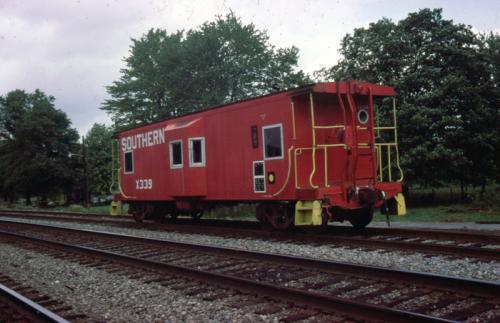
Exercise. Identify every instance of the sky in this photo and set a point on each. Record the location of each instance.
(73, 49)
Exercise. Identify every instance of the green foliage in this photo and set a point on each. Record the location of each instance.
(219, 62)
(76, 208)
(36, 144)
(98, 154)
(450, 213)
(145, 90)
(448, 93)
(490, 198)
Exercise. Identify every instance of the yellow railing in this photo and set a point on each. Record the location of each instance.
(314, 147)
(115, 167)
(388, 147)
(299, 151)
(115, 186)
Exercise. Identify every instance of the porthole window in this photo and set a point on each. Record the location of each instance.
(363, 116)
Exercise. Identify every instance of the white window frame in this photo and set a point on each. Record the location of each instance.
(203, 155)
(124, 161)
(171, 154)
(280, 125)
(263, 176)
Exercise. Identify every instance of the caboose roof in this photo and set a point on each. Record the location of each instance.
(356, 87)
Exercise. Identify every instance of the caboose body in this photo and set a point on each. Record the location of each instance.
(305, 156)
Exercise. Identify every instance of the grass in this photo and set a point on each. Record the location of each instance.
(104, 209)
(448, 213)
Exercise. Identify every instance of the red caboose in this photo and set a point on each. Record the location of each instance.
(305, 156)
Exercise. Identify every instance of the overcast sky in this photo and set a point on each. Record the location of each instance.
(73, 49)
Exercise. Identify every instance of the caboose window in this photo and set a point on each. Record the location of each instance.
(176, 154)
(129, 162)
(196, 152)
(273, 141)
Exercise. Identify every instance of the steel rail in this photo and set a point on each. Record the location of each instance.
(481, 287)
(434, 248)
(463, 251)
(62, 213)
(369, 231)
(328, 304)
(420, 233)
(29, 309)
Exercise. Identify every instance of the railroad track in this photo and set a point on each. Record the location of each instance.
(460, 244)
(367, 293)
(25, 304)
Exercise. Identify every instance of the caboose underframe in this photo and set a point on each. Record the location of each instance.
(305, 156)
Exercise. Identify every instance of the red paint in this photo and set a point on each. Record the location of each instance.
(230, 153)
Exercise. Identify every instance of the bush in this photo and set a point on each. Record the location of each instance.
(76, 208)
(490, 199)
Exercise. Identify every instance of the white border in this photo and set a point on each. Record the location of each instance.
(280, 125)
(172, 166)
(367, 115)
(263, 176)
(203, 158)
(124, 171)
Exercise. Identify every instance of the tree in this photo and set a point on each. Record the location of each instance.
(145, 90)
(98, 154)
(219, 62)
(446, 96)
(35, 154)
(12, 107)
(227, 60)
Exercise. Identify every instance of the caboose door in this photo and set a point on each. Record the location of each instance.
(196, 175)
(188, 176)
(319, 155)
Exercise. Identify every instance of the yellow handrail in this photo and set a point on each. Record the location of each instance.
(379, 158)
(396, 139)
(115, 171)
(313, 125)
(298, 151)
(115, 175)
(330, 127)
(287, 174)
(389, 163)
(379, 147)
(331, 145)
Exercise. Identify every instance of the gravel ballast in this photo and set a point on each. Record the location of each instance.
(464, 267)
(113, 297)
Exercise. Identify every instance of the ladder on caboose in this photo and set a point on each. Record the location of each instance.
(115, 186)
(358, 149)
(391, 145)
(115, 167)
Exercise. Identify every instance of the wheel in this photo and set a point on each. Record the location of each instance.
(360, 218)
(325, 217)
(260, 212)
(276, 216)
(159, 213)
(196, 215)
(171, 211)
(140, 211)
